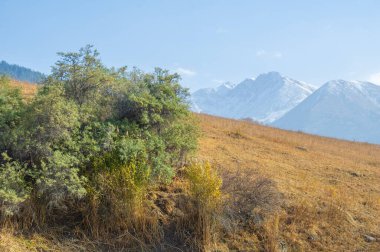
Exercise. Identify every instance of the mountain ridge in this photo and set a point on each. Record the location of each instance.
(342, 109)
(264, 99)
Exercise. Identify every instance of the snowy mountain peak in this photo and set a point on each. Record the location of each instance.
(341, 109)
(263, 99)
(342, 85)
(270, 77)
(275, 78)
(350, 89)
(228, 85)
(224, 87)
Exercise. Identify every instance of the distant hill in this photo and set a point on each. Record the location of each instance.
(20, 73)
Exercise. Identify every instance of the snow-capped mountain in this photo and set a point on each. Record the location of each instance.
(341, 109)
(208, 99)
(264, 99)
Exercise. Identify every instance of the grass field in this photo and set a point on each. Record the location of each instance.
(331, 187)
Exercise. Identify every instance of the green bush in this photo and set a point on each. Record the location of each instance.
(92, 140)
(11, 107)
(50, 123)
(14, 189)
(59, 180)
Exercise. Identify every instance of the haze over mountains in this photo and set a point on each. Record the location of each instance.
(342, 109)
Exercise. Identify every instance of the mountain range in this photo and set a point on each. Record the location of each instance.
(264, 99)
(341, 109)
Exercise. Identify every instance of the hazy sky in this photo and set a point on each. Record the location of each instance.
(207, 42)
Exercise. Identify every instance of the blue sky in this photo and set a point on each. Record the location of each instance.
(207, 42)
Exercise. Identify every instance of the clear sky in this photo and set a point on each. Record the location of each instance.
(207, 42)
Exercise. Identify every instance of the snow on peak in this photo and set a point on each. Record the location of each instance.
(224, 87)
(270, 77)
(228, 85)
(263, 99)
(342, 109)
(342, 86)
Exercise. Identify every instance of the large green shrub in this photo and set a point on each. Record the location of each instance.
(92, 131)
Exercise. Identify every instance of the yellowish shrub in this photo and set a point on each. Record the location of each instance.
(205, 183)
(205, 192)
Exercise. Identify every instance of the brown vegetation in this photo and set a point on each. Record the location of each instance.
(27, 89)
(331, 187)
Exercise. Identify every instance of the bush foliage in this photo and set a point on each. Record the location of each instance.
(91, 130)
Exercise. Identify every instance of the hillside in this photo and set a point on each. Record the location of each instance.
(331, 187)
(20, 73)
(329, 190)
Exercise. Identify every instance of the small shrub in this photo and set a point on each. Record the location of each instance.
(250, 194)
(117, 195)
(121, 184)
(204, 186)
(236, 134)
(123, 189)
(252, 205)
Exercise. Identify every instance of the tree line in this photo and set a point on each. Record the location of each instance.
(20, 73)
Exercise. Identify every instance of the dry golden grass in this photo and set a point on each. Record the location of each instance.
(11, 243)
(331, 187)
(28, 89)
